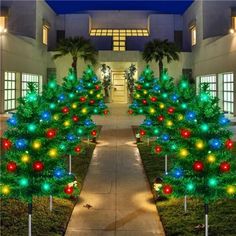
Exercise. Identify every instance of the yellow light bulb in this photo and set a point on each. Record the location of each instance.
(180, 117)
(74, 105)
(231, 190)
(162, 105)
(98, 95)
(137, 95)
(36, 144)
(183, 152)
(152, 110)
(66, 123)
(56, 117)
(211, 158)
(169, 123)
(5, 190)
(84, 110)
(199, 144)
(25, 158)
(91, 92)
(144, 91)
(52, 152)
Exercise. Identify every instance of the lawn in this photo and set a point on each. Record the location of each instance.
(222, 215)
(14, 216)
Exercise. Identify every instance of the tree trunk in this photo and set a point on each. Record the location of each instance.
(74, 65)
(160, 68)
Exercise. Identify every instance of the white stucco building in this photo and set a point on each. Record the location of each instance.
(202, 31)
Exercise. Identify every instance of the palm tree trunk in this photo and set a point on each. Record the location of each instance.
(74, 65)
(160, 68)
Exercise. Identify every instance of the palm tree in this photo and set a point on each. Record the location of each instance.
(77, 47)
(158, 50)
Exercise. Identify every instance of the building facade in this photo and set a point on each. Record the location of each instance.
(204, 32)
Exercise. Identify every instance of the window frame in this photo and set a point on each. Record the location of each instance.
(12, 99)
(193, 33)
(45, 34)
(228, 103)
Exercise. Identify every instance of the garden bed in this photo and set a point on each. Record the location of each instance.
(222, 215)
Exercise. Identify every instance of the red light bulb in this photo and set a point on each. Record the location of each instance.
(6, 144)
(142, 132)
(75, 118)
(51, 133)
(225, 167)
(77, 149)
(171, 110)
(65, 110)
(130, 112)
(82, 99)
(158, 149)
(198, 166)
(91, 101)
(185, 133)
(97, 87)
(160, 118)
(38, 166)
(139, 87)
(106, 112)
(229, 144)
(144, 101)
(68, 190)
(153, 99)
(167, 189)
(11, 166)
(94, 133)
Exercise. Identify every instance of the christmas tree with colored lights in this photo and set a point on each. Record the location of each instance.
(142, 101)
(93, 86)
(203, 167)
(31, 164)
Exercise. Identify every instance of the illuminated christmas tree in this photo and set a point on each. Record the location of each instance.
(203, 164)
(93, 86)
(142, 103)
(31, 164)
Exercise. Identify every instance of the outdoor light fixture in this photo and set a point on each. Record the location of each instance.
(3, 30)
(231, 31)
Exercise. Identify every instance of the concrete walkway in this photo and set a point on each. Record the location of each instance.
(116, 186)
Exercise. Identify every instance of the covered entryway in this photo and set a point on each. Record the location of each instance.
(119, 88)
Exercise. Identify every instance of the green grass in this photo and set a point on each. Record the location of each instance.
(14, 214)
(222, 214)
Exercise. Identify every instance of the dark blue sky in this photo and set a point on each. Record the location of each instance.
(162, 6)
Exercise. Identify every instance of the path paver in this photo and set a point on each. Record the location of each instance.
(116, 186)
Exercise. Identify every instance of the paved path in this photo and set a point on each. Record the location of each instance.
(116, 186)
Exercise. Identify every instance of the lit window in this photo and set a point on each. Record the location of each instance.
(228, 93)
(119, 36)
(9, 91)
(211, 80)
(193, 35)
(45, 34)
(37, 79)
(3, 27)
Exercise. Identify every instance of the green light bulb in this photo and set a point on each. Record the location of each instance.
(31, 127)
(52, 84)
(173, 147)
(165, 77)
(204, 97)
(89, 84)
(164, 95)
(62, 146)
(183, 105)
(71, 95)
(80, 131)
(156, 131)
(140, 110)
(32, 97)
(212, 182)
(71, 77)
(23, 182)
(46, 186)
(190, 186)
(204, 127)
(52, 106)
(184, 84)
(95, 110)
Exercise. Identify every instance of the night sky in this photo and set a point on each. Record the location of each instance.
(161, 6)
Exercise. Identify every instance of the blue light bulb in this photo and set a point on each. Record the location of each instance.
(79, 88)
(178, 173)
(12, 121)
(58, 173)
(148, 122)
(21, 144)
(156, 88)
(165, 137)
(174, 97)
(190, 115)
(61, 98)
(70, 137)
(223, 120)
(215, 143)
(87, 122)
(45, 116)
(94, 79)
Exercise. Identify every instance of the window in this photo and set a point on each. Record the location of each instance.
(211, 80)
(233, 22)
(45, 34)
(3, 27)
(60, 35)
(119, 36)
(9, 91)
(228, 92)
(30, 78)
(193, 35)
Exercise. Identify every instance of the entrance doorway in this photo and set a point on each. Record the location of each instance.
(119, 88)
